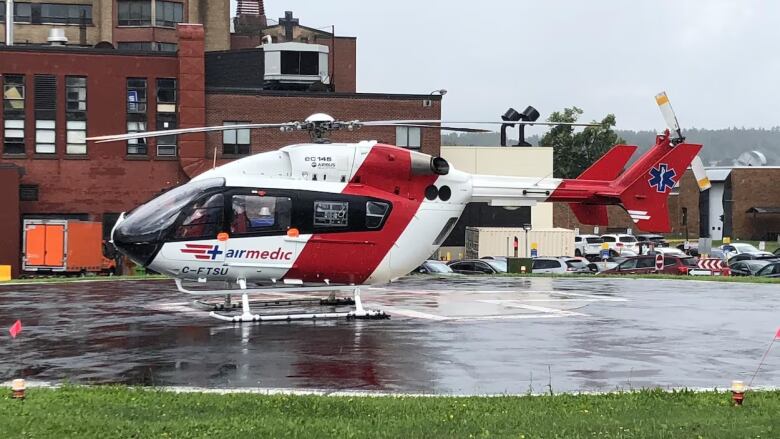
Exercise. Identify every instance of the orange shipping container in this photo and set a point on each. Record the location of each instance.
(64, 246)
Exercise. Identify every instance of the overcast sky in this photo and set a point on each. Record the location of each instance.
(717, 59)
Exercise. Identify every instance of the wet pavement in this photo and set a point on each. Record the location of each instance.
(464, 335)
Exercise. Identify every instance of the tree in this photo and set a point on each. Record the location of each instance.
(575, 152)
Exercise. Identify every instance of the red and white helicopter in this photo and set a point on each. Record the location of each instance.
(327, 216)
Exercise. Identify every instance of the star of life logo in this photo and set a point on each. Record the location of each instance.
(202, 252)
(662, 178)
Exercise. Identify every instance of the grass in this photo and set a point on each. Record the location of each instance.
(125, 412)
(63, 279)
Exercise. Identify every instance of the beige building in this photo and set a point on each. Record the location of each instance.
(510, 161)
(124, 24)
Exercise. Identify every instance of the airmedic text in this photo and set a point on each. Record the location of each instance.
(276, 255)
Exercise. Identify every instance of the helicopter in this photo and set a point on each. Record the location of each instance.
(328, 216)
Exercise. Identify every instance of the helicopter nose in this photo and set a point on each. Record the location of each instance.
(140, 252)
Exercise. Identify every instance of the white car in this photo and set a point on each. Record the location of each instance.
(620, 242)
(587, 245)
(670, 251)
(737, 248)
(559, 266)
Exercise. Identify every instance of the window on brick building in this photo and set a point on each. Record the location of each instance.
(236, 142)
(168, 14)
(45, 114)
(134, 13)
(136, 146)
(408, 137)
(76, 114)
(13, 114)
(166, 145)
(146, 46)
(22, 12)
(136, 114)
(166, 115)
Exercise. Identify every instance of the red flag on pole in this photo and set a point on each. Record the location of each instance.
(16, 328)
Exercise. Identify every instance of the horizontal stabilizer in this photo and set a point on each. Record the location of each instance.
(610, 165)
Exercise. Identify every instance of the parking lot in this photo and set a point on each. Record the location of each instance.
(462, 335)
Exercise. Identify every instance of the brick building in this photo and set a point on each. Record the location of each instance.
(55, 96)
(123, 24)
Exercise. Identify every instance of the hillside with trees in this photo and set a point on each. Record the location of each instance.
(721, 146)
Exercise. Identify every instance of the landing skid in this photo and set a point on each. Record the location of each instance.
(247, 315)
(220, 310)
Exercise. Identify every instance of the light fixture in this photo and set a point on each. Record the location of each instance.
(440, 92)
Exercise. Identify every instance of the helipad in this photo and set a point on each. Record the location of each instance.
(471, 335)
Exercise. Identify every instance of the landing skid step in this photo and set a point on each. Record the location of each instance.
(340, 301)
(247, 315)
(243, 318)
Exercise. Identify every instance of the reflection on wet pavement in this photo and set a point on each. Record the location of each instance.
(450, 336)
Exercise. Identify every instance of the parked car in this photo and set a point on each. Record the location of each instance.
(671, 251)
(563, 265)
(753, 257)
(587, 245)
(777, 251)
(771, 270)
(658, 240)
(478, 266)
(620, 242)
(737, 248)
(646, 265)
(494, 258)
(748, 267)
(433, 266)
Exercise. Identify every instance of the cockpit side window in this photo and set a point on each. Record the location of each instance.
(204, 219)
(255, 213)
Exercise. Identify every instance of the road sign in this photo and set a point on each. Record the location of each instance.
(727, 240)
(605, 254)
(762, 245)
(659, 261)
(534, 253)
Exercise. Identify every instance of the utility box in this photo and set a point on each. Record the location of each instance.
(519, 265)
(64, 246)
(499, 241)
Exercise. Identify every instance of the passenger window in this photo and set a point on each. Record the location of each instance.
(609, 239)
(331, 213)
(628, 265)
(375, 214)
(204, 219)
(645, 263)
(254, 213)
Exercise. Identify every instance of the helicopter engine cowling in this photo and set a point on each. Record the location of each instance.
(423, 164)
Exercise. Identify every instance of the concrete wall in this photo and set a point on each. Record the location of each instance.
(520, 161)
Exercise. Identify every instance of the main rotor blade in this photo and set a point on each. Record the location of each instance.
(163, 133)
(434, 127)
(520, 122)
(697, 166)
(668, 113)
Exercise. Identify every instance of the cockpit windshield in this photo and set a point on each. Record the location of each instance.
(160, 213)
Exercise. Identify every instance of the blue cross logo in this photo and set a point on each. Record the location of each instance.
(662, 178)
(214, 252)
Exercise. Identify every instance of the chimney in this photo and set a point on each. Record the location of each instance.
(9, 22)
(250, 17)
